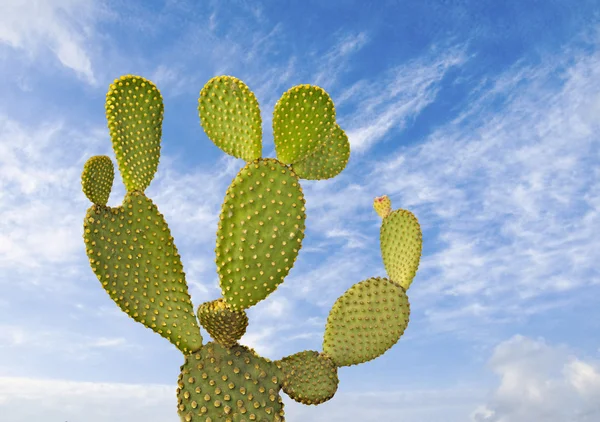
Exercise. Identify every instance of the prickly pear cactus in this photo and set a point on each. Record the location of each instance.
(259, 235)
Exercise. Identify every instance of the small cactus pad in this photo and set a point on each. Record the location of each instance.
(401, 243)
(329, 160)
(310, 377)
(260, 231)
(225, 325)
(382, 205)
(134, 110)
(132, 253)
(97, 179)
(230, 117)
(303, 120)
(366, 321)
(235, 385)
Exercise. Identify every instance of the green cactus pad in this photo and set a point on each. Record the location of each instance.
(401, 244)
(329, 160)
(225, 325)
(303, 120)
(230, 117)
(221, 384)
(134, 110)
(366, 321)
(132, 253)
(310, 377)
(260, 231)
(97, 179)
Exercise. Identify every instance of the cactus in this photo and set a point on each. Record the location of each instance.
(260, 232)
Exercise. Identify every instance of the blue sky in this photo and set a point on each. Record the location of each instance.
(481, 117)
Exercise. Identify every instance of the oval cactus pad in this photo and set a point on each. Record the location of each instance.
(310, 377)
(401, 244)
(302, 121)
(260, 232)
(230, 117)
(134, 110)
(229, 384)
(97, 179)
(329, 160)
(366, 321)
(132, 253)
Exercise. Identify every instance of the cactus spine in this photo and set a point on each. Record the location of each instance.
(260, 232)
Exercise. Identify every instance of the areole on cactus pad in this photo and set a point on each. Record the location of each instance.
(260, 232)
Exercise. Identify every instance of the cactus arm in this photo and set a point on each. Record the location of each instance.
(97, 179)
(327, 161)
(366, 321)
(401, 242)
(261, 227)
(303, 119)
(134, 110)
(132, 253)
(309, 377)
(230, 116)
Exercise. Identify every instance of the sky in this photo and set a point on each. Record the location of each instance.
(481, 117)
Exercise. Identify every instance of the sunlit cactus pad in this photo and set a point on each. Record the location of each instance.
(229, 384)
(304, 118)
(309, 377)
(134, 109)
(260, 232)
(401, 243)
(230, 117)
(131, 250)
(97, 179)
(366, 321)
(225, 325)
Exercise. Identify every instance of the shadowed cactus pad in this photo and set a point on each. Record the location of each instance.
(401, 243)
(132, 253)
(329, 160)
(229, 384)
(230, 117)
(97, 179)
(309, 377)
(260, 231)
(225, 325)
(366, 321)
(134, 110)
(303, 119)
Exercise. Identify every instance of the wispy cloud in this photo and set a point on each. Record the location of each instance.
(391, 101)
(61, 26)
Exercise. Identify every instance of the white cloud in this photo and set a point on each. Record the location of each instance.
(24, 399)
(41, 201)
(62, 26)
(539, 382)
